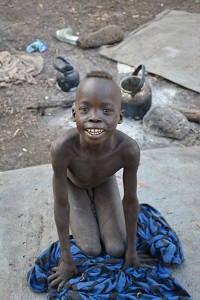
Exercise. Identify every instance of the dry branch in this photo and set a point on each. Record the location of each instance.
(193, 115)
(41, 107)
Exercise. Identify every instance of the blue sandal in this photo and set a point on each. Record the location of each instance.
(36, 46)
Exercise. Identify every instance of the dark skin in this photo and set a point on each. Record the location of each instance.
(85, 160)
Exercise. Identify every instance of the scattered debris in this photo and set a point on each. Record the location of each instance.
(139, 184)
(16, 132)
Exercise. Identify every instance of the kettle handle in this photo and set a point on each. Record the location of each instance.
(142, 81)
(62, 70)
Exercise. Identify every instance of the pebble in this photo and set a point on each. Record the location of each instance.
(9, 93)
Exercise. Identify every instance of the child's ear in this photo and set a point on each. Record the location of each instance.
(121, 117)
(74, 113)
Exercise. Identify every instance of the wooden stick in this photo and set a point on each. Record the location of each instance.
(41, 107)
(193, 115)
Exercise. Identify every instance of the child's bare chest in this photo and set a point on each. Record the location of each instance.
(91, 172)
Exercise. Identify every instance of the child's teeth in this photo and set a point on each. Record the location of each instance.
(95, 131)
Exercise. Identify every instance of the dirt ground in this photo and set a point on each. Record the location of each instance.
(25, 135)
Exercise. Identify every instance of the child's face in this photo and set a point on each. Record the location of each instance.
(98, 109)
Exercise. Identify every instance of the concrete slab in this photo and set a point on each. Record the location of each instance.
(168, 179)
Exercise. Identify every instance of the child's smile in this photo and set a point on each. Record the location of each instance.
(94, 131)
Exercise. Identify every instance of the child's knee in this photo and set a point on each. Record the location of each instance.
(93, 250)
(116, 250)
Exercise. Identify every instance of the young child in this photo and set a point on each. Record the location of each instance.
(86, 197)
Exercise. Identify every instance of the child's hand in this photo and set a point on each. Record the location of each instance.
(139, 260)
(62, 274)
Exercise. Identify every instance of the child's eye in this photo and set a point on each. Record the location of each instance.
(107, 110)
(83, 109)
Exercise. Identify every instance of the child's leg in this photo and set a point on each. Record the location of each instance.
(110, 216)
(83, 222)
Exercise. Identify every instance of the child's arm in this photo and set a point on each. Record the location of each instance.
(130, 203)
(131, 208)
(67, 268)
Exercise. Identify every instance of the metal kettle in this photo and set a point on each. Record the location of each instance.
(136, 94)
(69, 78)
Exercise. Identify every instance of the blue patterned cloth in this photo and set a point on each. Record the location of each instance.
(101, 277)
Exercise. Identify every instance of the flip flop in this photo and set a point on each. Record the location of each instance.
(66, 35)
(36, 46)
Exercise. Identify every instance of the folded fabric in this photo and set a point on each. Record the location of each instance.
(15, 69)
(101, 277)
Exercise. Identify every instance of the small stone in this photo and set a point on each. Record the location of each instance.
(9, 93)
(164, 121)
(51, 81)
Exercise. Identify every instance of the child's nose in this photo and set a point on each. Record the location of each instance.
(94, 117)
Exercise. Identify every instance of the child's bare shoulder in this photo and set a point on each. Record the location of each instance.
(128, 146)
(63, 146)
(65, 139)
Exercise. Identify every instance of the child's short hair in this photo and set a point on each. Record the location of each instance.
(99, 74)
